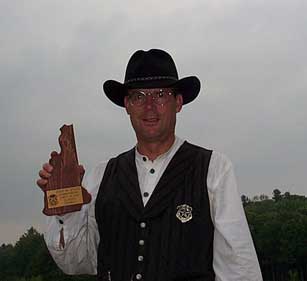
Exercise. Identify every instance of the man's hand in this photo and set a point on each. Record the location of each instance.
(46, 172)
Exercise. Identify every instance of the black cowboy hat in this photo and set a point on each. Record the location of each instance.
(152, 69)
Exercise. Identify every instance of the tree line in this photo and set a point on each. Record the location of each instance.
(29, 260)
(279, 231)
(278, 227)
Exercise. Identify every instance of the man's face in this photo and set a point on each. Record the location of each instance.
(153, 113)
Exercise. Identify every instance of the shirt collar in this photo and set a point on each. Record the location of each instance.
(172, 150)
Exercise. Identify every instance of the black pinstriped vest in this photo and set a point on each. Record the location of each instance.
(155, 242)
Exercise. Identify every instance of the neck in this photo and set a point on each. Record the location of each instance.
(153, 149)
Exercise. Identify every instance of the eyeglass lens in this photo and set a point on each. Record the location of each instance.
(159, 97)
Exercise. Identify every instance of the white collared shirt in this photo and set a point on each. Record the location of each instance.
(150, 172)
(234, 256)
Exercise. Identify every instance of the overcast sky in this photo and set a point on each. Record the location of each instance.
(54, 55)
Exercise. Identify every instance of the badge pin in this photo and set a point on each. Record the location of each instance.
(184, 213)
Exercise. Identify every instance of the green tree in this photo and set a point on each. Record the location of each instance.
(29, 260)
(279, 230)
(263, 197)
(244, 200)
(276, 195)
(25, 250)
(6, 259)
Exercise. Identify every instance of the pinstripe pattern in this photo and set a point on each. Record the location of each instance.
(172, 249)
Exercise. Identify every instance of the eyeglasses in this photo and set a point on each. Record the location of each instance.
(159, 97)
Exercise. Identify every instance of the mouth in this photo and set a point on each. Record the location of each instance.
(150, 121)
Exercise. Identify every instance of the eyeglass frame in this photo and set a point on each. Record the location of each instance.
(169, 92)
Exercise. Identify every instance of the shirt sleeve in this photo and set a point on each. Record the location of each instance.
(78, 253)
(234, 255)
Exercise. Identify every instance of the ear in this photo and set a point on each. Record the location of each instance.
(127, 105)
(179, 102)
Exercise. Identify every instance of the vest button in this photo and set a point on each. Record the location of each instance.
(145, 194)
(144, 159)
(141, 242)
(138, 276)
(142, 224)
(140, 258)
(152, 171)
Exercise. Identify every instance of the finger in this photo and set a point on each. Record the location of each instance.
(41, 183)
(53, 153)
(44, 174)
(47, 167)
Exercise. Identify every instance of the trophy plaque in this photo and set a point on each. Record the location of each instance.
(64, 193)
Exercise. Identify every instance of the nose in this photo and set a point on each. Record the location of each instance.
(149, 102)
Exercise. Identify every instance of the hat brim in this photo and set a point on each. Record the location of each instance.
(188, 87)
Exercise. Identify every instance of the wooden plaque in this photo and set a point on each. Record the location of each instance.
(64, 193)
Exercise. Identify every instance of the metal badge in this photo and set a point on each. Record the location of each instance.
(184, 213)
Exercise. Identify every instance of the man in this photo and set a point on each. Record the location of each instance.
(166, 209)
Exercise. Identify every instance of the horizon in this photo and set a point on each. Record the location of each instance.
(252, 199)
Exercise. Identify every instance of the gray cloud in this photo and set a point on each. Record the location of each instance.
(54, 56)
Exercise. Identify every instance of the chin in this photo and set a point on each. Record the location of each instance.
(148, 137)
